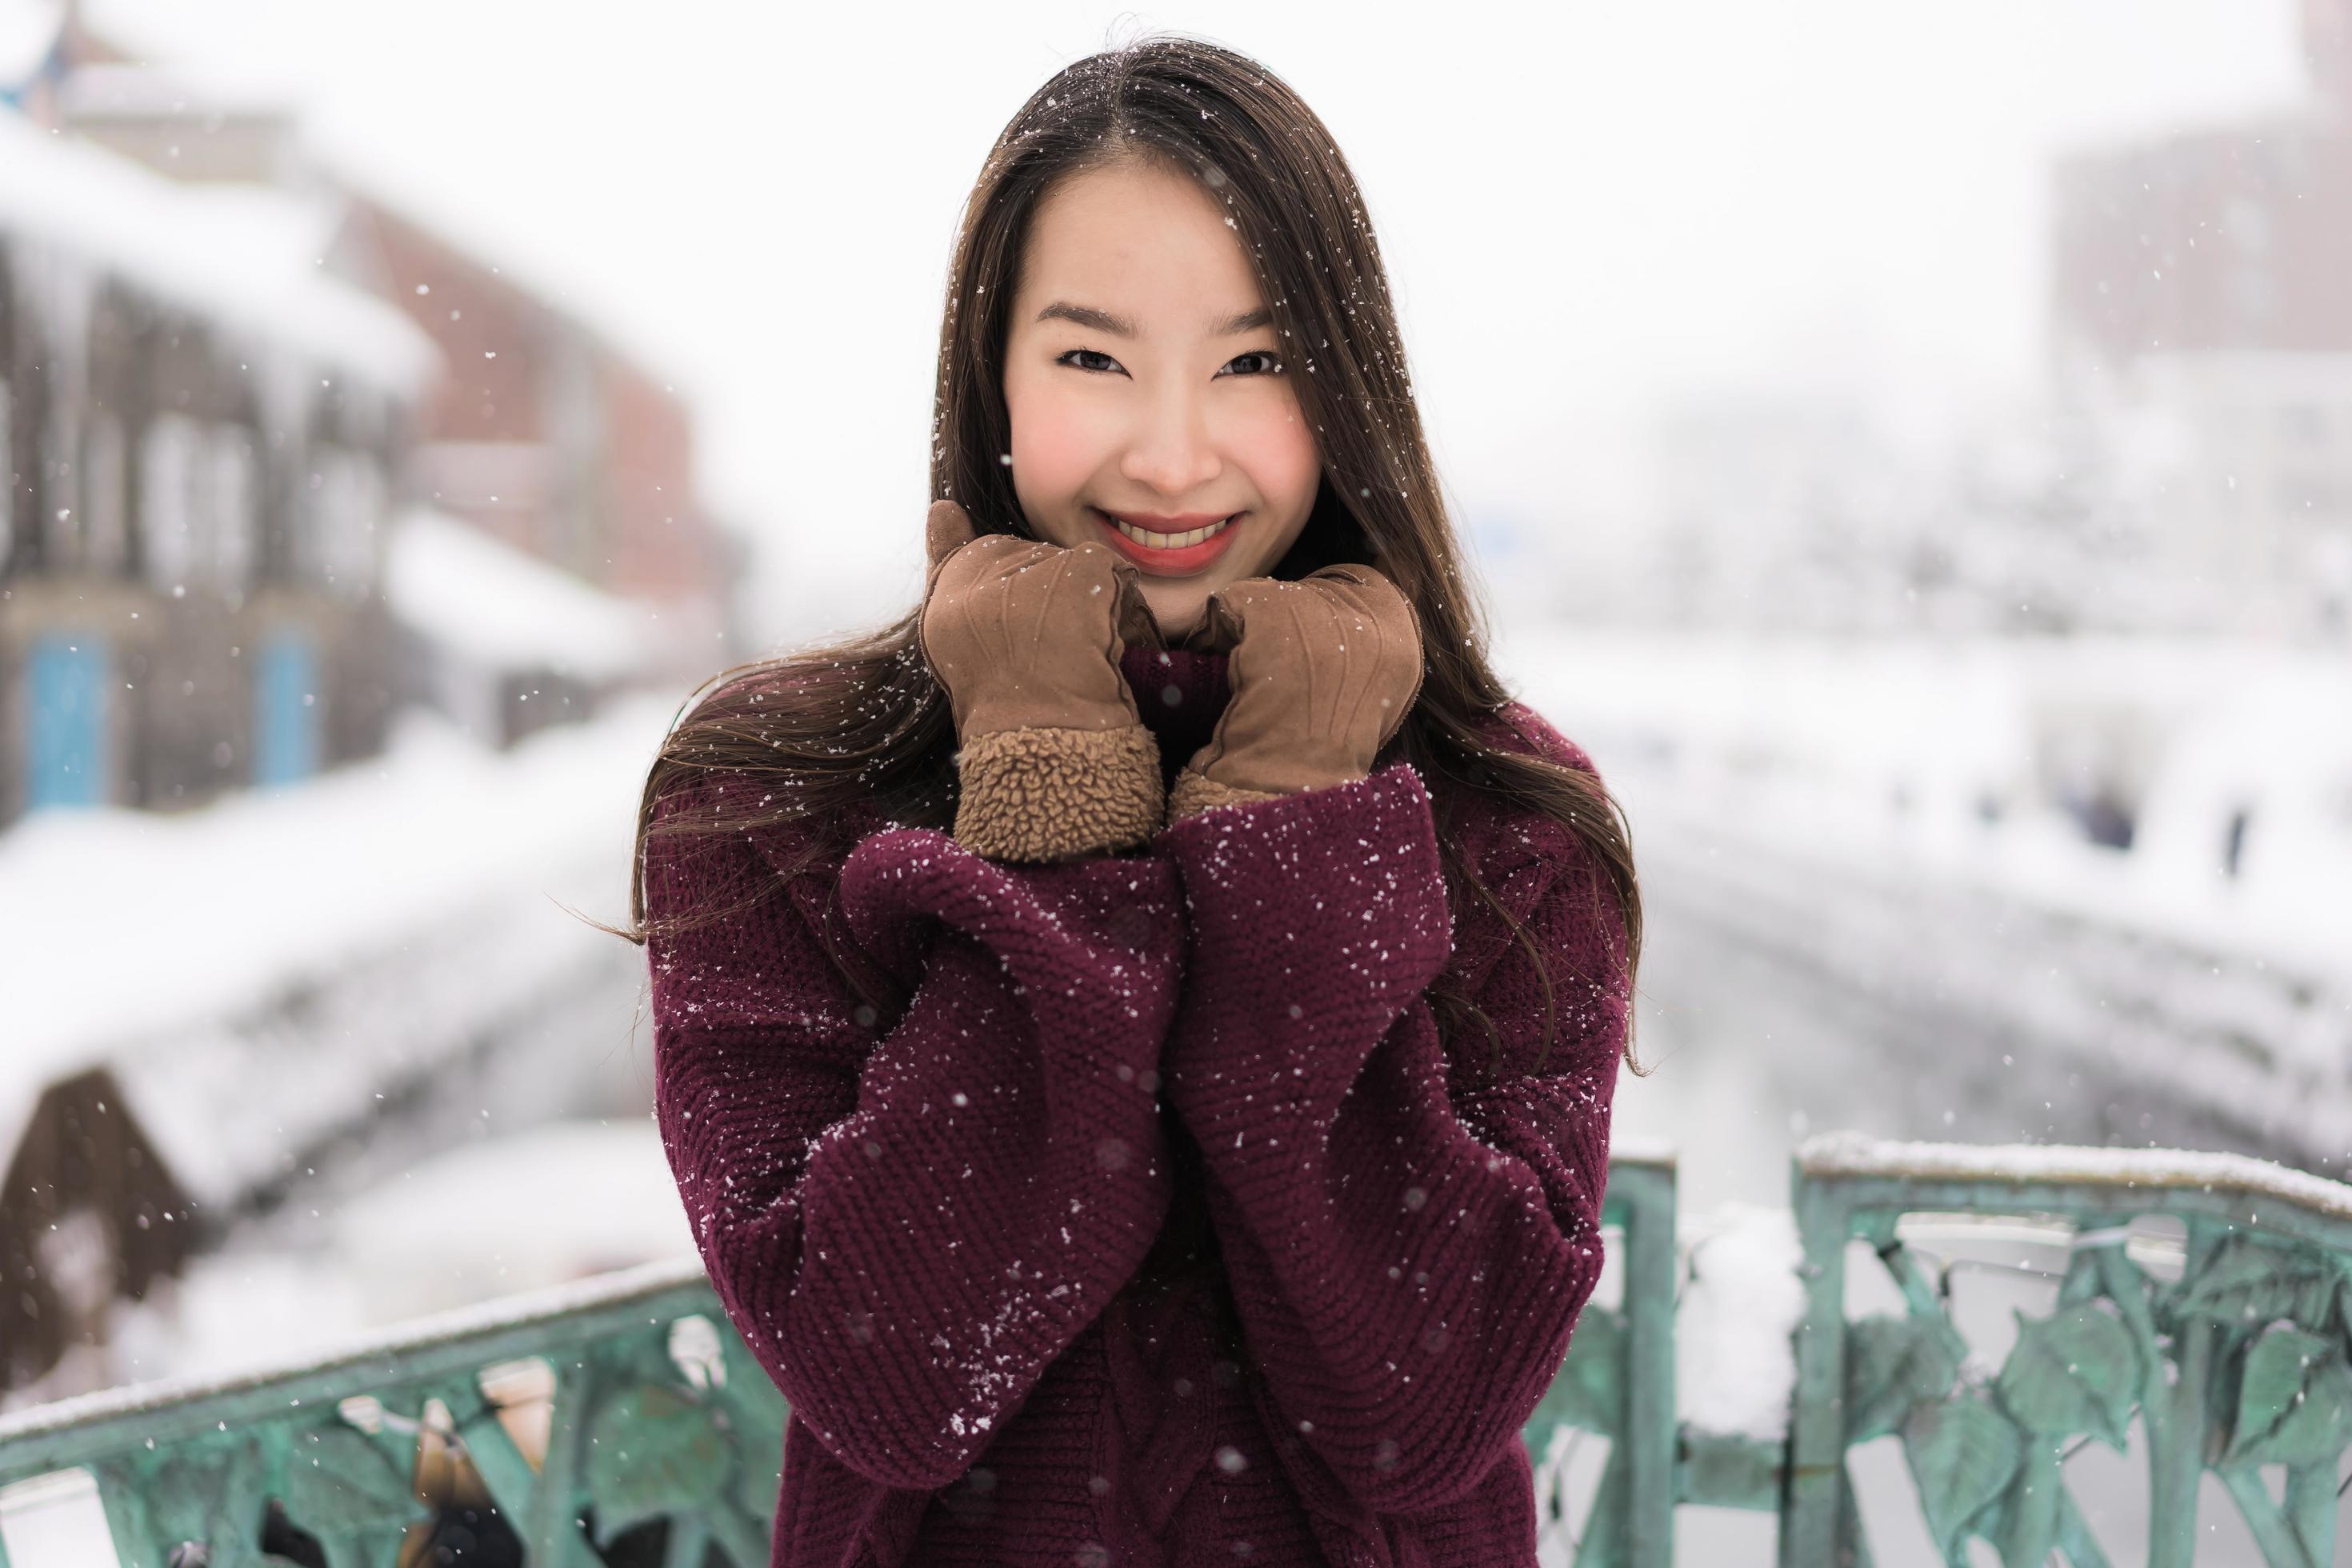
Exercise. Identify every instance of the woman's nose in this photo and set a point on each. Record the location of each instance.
(1171, 451)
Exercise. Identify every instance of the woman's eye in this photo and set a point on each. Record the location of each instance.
(1082, 359)
(1267, 362)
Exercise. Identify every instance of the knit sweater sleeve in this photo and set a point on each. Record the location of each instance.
(907, 1219)
(1407, 1263)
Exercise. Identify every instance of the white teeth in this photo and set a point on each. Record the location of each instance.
(1167, 540)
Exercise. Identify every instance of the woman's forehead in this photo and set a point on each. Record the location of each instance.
(1143, 245)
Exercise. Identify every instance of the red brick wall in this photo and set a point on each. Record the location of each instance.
(662, 547)
(491, 332)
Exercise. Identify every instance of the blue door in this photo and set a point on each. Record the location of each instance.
(284, 709)
(65, 756)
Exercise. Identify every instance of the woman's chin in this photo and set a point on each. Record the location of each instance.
(1178, 619)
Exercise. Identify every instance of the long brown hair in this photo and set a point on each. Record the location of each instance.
(863, 723)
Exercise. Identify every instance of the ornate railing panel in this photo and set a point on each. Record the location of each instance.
(2204, 1301)
(642, 1424)
(2236, 1364)
(2206, 1298)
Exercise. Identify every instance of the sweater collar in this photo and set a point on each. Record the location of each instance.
(1178, 695)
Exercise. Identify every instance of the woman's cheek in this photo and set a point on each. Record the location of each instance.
(1278, 451)
(1057, 447)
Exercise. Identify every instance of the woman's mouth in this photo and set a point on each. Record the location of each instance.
(1167, 553)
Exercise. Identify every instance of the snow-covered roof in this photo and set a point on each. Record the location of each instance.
(165, 947)
(28, 31)
(249, 258)
(99, 88)
(501, 608)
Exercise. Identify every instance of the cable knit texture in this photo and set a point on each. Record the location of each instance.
(1160, 1228)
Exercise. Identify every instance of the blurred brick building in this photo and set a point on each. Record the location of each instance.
(2200, 309)
(201, 438)
(551, 439)
(280, 459)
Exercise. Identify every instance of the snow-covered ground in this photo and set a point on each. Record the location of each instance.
(544, 1205)
(1888, 825)
(313, 995)
(1949, 754)
(132, 934)
(120, 921)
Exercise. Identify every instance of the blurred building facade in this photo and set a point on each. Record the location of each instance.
(243, 403)
(2201, 319)
(548, 440)
(2186, 467)
(184, 607)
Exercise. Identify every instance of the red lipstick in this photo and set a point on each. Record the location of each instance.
(1182, 561)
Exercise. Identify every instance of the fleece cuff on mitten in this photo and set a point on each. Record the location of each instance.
(1040, 794)
(1197, 793)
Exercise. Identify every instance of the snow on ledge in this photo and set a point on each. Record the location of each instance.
(1635, 1151)
(1834, 1154)
(484, 599)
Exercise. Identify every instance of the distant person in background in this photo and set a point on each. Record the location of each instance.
(1136, 1037)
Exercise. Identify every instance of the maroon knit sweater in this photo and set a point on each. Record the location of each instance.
(1160, 1228)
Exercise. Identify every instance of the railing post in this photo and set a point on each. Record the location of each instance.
(2175, 1450)
(504, 1470)
(551, 1537)
(1815, 1501)
(1651, 1435)
(2310, 1507)
(688, 1539)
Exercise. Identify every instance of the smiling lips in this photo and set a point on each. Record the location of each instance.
(1168, 546)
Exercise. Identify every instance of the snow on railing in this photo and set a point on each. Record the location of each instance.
(1854, 1155)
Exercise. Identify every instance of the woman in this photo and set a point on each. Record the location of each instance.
(1136, 1037)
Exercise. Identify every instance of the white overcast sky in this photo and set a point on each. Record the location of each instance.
(1583, 205)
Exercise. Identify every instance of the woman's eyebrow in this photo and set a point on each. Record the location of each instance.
(1120, 326)
(1088, 316)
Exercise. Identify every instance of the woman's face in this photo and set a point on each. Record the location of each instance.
(1145, 386)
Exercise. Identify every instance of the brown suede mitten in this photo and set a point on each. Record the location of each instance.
(1323, 671)
(1026, 638)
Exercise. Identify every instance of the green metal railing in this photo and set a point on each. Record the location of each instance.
(2237, 1364)
(2229, 1356)
(640, 1427)
(1618, 1377)
(2203, 1301)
